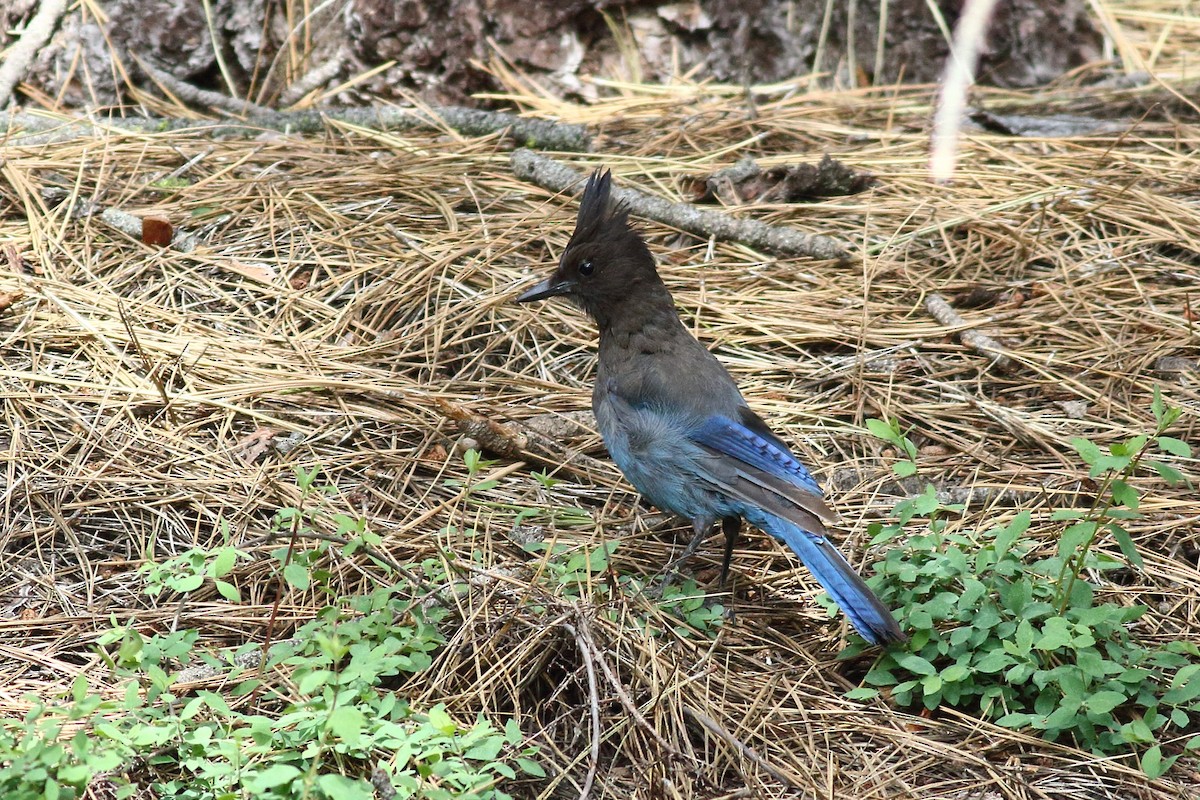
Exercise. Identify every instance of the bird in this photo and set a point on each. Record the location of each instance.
(674, 420)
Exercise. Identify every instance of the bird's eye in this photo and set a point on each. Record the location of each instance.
(586, 268)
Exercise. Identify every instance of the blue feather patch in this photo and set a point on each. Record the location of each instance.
(734, 439)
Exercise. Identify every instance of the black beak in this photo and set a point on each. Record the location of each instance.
(547, 288)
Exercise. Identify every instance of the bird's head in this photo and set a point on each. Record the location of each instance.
(606, 266)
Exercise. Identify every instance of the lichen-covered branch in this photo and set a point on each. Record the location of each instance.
(557, 177)
(941, 310)
(551, 135)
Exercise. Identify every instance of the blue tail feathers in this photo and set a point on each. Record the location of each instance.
(870, 617)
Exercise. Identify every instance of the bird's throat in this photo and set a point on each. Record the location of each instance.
(648, 331)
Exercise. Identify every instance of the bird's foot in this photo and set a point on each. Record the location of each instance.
(666, 577)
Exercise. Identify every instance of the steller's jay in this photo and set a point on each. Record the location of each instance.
(674, 420)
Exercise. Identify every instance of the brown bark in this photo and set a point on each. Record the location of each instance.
(249, 51)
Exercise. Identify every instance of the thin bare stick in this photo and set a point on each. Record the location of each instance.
(585, 632)
(594, 696)
(713, 727)
(152, 370)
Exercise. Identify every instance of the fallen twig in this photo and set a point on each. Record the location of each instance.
(712, 726)
(134, 225)
(514, 440)
(584, 634)
(1052, 125)
(593, 694)
(201, 97)
(848, 479)
(1174, 365)
(564, 425)
(550, 174)
(250, 659)
(37, 32)
(467, 121)
(943, 312)
(314, 78)
(381, 782)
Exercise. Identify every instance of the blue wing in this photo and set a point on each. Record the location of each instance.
(723, 435)
(773, 491)
(755, 473)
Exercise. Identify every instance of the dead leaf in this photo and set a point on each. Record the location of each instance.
(262, 273)
(254, 444)
(435, 455)
(8, 298)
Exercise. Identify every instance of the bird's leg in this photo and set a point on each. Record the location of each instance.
(731, 526)
(701, 527)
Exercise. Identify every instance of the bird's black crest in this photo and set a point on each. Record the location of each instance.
(599, 214)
